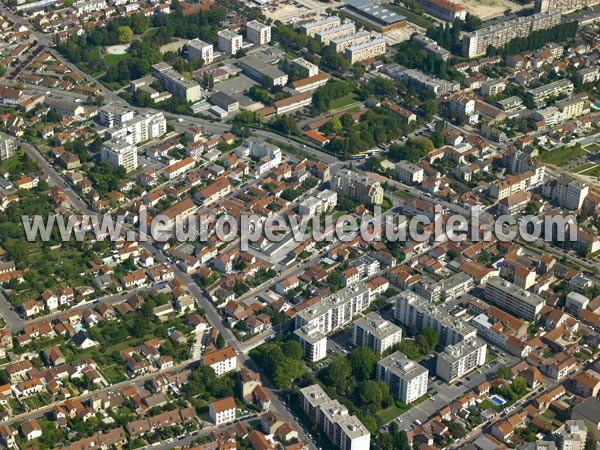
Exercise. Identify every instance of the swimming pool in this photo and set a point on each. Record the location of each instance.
(497, 400)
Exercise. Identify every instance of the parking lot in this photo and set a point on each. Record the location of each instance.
(442, 393)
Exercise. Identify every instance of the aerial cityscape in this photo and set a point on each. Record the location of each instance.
(300, 224)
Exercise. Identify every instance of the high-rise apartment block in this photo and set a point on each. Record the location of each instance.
(346, 432)
(198, 49)
(375, 332)
(513, 299)
(258, 33)
(120, 153)
(459, 359)
(229, 42)
(406, 379)
(500, 34)
(359, 188)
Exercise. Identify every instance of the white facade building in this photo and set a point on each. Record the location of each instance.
(314, 343)
(406, 379)
(120, 153)
(229, 42)
(198, 49)
(459, 359)
(375, 332)
(258, 33)
(346, 432)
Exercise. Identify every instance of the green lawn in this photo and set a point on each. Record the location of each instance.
(561, 156)
(406, 195)
(390, 413)
(487, 403)
(113, 60)
(397, 409)
(593, 147)
(490, 356)
(589, 170)
(343, 101)
(584, 167)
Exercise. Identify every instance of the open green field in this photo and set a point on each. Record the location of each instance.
(593, 148)
(113, 60)
(584, 167)
(592, 171)
(561, 156)
(390, 413)
(343, 101)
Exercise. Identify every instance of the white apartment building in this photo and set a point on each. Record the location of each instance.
(513, 299)
(317, 204)
(525, 181)
(268, 153)
(362, 189)
(410, 173)
(222, 411)
(175, 83)
(198, 49)
(446, 289)
(406, 379)
(551, 116)
(229, 42)
(314, 343)
(340, 44)
(573, 106)
(258, 33)
(375, 332)
(366, 50)
(307, 68)
(539, 94)
(346, 432)
(221, 361)
(120, 153)
(8, 146)
(326, 36)
(336, 310)
(111, 115)
(574, 435)
(417, 313)
(568, 191)
(312, 28)
(500, 34)
(139, 128)
(459, 359)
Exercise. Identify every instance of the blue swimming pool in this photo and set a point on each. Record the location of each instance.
(497, 400)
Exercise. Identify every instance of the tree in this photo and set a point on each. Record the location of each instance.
(502, 373)
(431, 337)
(334, 126)
(125, 35)
(338, 375)
(414, 149)
(374, 394)
(385, 441)
(363, 361)
(334, 281)
(457, 430)
(139, 23)
(220, 341)
(293, 350)
(472, 22)
(370, 423)
(519, 386)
